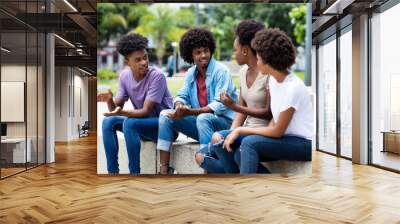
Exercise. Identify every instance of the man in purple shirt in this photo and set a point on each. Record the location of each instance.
(146, 88)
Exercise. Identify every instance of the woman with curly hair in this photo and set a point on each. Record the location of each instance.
(288, 135)
(146, 87)
(253, 109)
(198, 111)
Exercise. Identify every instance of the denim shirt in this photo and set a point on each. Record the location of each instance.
(218, 79)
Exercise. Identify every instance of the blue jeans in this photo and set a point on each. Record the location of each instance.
(219, 160)
(134, 129)
(199, 128)
(256, 148)
(211, 162)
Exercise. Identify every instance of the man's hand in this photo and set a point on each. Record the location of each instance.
(183, 111)
(105, 97)
(226, 100)
(117, 111)
(180, 112)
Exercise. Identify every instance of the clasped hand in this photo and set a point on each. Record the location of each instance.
(180, 112)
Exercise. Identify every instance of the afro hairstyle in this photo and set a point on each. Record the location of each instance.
(195, 38)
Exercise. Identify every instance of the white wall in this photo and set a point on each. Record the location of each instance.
(33, 127)
(14, 73)
(17, 73)
(61, 103)
(80, 100)
(71, 94)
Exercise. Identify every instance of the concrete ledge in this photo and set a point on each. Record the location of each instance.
(148, 155)
(293, 167)
(182, 159)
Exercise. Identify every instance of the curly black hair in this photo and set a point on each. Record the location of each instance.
(130, 43)
(275, 48)
(195, 38)
(246, 30)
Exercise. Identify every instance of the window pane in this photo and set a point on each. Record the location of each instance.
(386, 88)
(327, 97)
(346, 94)
(31, 97)
(14, 153)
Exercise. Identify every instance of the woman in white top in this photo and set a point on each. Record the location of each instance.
(288, 135)
(253, 109)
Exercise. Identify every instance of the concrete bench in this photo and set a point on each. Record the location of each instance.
(182, 159)
(183, 156)
(292, 167)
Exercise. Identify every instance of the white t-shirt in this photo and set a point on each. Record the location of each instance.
(293, 93)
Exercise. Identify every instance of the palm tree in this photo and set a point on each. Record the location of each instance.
(117, 19)
(160, 25)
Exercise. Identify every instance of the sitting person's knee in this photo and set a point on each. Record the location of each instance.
(130, 124)
(199, 158)
(163, 117)
(216, 138)
(109, 122)
(204, 118)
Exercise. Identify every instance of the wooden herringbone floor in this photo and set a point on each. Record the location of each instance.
(69, 191)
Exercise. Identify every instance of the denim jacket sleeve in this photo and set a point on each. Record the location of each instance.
(224, 83)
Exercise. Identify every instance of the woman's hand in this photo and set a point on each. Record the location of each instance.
(226, 100)
(117, 111)
(230, 139)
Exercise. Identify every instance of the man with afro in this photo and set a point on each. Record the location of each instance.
(146, 87)
(198, 111)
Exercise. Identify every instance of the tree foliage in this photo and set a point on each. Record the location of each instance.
(223, 18)
(114, 20)
(298, 19)
(164, 24)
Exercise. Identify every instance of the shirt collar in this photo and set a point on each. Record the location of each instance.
(210, 68)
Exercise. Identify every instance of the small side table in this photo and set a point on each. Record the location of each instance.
(391, 141)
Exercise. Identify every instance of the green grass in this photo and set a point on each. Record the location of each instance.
(300, 75)
(174, 84)
(110, 83)
(236, 81)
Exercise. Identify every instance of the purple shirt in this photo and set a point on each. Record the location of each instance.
(152, 87)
